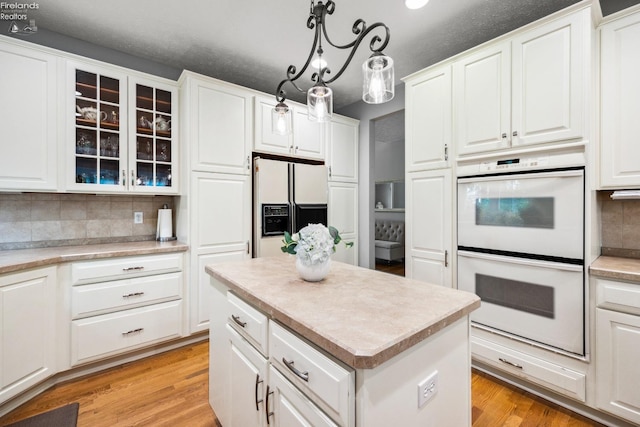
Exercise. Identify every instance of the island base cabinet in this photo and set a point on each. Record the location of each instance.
(388, 394)
(289, 407)
(248, 371)
(617, 368)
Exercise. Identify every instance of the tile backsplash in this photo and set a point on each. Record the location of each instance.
(33, 220)
(620, 224)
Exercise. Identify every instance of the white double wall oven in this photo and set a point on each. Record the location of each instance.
(521, 249)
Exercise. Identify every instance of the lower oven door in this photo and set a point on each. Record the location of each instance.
(536, 301)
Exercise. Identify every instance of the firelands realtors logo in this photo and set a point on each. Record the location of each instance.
(17, 16)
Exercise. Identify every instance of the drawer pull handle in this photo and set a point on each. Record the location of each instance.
(258, 382)
(238, 321)
(266, 406)
(133, 269)
(133, 331)
(515, 365)
(133, 294)
(302, 375)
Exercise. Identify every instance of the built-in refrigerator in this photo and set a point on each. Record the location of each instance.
(287, 197)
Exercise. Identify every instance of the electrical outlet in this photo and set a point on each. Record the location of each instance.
(427, 389)
(137, 218)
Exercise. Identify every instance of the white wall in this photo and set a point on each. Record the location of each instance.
(367, 113)
(389, 161)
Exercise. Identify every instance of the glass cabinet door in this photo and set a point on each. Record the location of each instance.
(98, 154)
(154, 150)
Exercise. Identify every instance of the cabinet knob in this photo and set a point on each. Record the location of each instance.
(515, 133)
(504, 135)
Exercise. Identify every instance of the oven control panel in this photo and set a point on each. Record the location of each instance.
(514, 164)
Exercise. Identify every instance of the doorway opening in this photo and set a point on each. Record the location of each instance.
(389, 203)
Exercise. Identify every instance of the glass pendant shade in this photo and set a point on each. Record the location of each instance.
(378, 79)
(281, 119)
(320, 103)
(415, 4)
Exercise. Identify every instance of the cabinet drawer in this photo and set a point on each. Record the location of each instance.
(555, 377)
(249, 322)
(327, 383)
(104, 297)
(619, 296)
(110, 334)
(123, 267)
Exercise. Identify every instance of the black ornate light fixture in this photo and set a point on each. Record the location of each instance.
(377, 69)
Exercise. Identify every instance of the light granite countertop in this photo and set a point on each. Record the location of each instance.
(360, 316)
(609, 267)
(22, 259)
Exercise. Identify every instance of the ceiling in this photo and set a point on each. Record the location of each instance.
(251, 43)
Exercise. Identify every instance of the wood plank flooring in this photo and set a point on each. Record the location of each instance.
(395, 267)
(171, 389)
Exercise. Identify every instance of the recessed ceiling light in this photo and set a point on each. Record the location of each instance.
(415, 4)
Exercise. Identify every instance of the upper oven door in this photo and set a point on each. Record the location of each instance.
(537, 213)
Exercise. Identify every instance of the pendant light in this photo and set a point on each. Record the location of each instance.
(378, 75)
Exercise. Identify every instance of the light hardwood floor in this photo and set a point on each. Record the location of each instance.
(170, 389)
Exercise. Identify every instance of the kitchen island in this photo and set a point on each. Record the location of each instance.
(360, 348)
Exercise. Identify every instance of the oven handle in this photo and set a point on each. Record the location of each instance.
(524, 175)
(522, 261)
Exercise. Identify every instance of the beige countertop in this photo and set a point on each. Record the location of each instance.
(609, 267)
(360, 316)
(22, 259)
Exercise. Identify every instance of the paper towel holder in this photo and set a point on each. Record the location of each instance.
(164, 229)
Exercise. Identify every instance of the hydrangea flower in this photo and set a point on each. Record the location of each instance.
(313, 244)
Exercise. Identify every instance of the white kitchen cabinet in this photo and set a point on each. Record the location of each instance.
(121, 131)
(524, 91)
(342, 209)
(619, 103)
(257, 359)
(28, 304)
(428, 119)
(306, 140)
(217, 127)
(482, 99)
(214, 216)
(153, 136)
(122, 304)
(220, 230)
(289, 407)
(429, 214)
(308, 136)
(342, 149)
(248, 371)
(28, 118)
(617, 348)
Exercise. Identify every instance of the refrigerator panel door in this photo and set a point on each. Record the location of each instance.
(270, 246)
(272, 182)
(310, 184)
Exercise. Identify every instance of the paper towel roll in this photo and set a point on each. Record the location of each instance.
(164, 230)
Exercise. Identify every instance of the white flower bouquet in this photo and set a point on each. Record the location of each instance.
(313, 244)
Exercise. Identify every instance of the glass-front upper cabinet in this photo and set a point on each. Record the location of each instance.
(123, 131)
(99, 139)
(153, 148)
